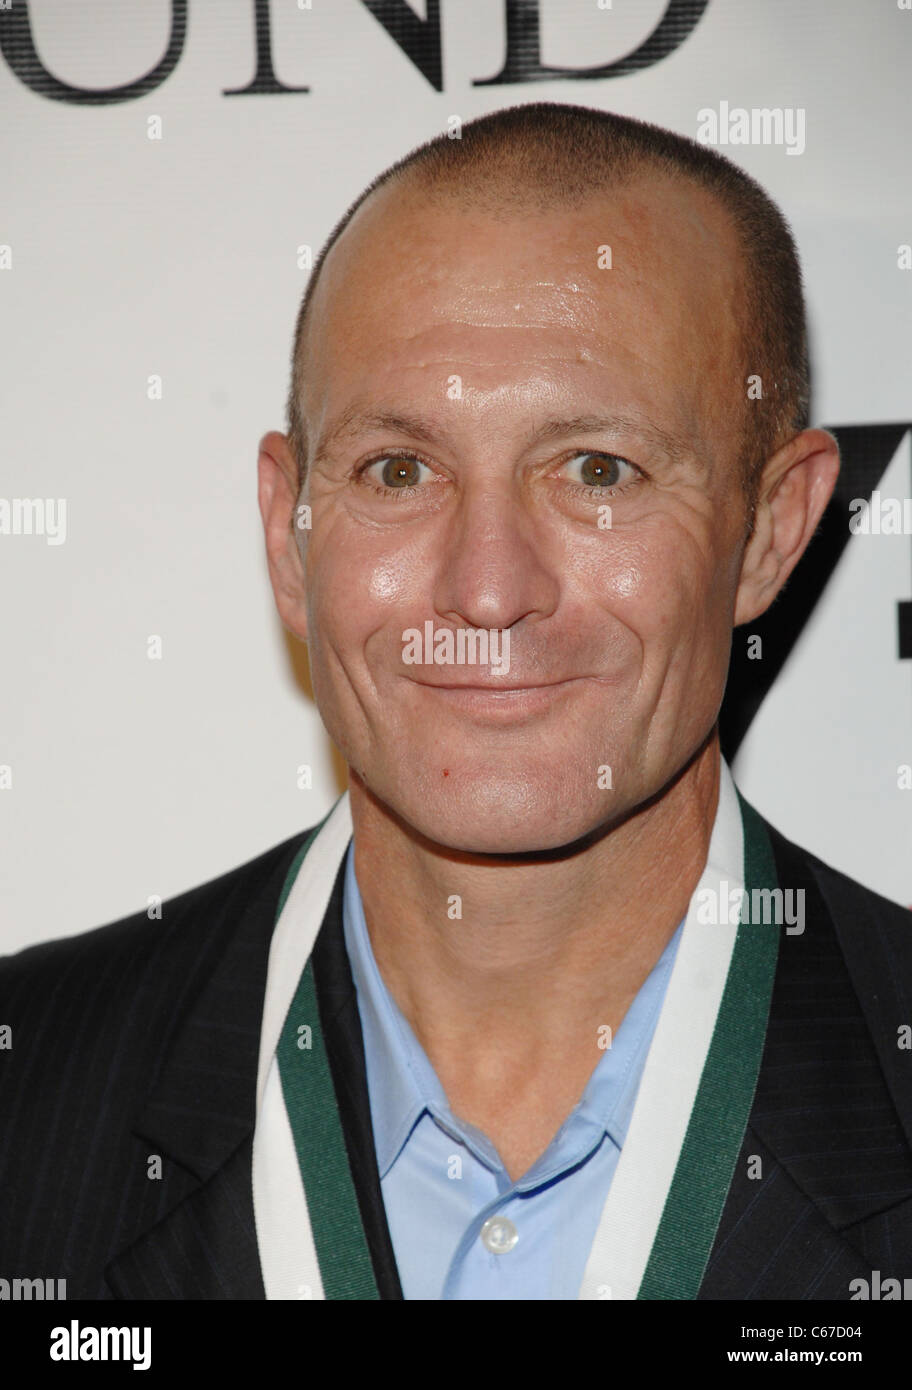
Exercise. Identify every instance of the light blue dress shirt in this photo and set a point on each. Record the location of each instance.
(442, 1179)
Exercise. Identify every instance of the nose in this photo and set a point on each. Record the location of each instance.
(496, 563)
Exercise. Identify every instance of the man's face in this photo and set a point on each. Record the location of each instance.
(524, 375)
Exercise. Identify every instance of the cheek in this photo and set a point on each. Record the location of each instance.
(662, 581)
(385, 583)
(389, 574)
(383, 567)
(357, 592)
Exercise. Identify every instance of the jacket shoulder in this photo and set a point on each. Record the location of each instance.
(846, 898)
(133, 1040)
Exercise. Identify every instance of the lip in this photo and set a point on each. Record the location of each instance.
(492, 685)
(492, 700)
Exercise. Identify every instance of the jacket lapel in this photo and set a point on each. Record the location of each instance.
(825, 1171)
(200, 1114)
(205, 1248)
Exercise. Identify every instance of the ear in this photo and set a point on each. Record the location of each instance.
(277, 479)
(795, 487)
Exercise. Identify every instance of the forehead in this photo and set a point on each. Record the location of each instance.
(638, 291)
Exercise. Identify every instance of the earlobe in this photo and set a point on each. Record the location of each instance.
(758, 570)
(277, 495)
(796, 486)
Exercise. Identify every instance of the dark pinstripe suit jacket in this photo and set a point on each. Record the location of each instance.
(141, 1039)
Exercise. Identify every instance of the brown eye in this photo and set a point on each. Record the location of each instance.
(399, 472)
(600, 470)
(593, 472)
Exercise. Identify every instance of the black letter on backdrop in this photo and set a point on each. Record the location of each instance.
(523, 60)
(419, 39)
(18, 48)
(264, 79)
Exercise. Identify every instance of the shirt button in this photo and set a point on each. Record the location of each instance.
(499, 1234)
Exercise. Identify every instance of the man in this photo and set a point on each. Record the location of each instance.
(542, 1009)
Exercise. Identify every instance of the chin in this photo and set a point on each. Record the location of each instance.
(502, 817)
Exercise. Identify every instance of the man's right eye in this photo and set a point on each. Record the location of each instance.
(393, 472)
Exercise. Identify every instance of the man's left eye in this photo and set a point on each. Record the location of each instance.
(600, 470)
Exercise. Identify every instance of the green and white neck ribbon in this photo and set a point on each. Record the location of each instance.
(666, 1198)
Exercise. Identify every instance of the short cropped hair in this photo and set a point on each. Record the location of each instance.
(547, 154)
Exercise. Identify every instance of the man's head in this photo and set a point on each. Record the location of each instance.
(508, 332)
(546, 156)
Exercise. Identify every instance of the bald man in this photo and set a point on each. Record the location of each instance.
(542, 1009)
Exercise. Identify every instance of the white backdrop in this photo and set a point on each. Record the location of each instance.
(131, 258)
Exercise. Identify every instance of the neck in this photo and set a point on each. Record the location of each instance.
(545, 949)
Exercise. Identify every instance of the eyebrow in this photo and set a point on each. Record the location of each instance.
(355, 421)
(615, 423)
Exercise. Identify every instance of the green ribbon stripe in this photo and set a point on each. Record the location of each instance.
(313, 1113)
